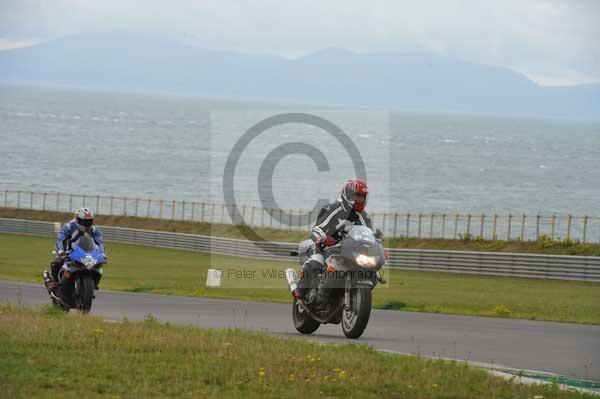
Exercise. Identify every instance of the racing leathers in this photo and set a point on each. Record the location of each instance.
(325, 233)
(70, 233)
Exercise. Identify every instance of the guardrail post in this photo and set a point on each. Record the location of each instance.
(481, 227)
(431, 226)
(510, 216)
(585, 225)
(468, 224)
(523, 227)
(537, 227)
(456, 226)
(44, 201)
(420, 225)
(160, 209)
(125, 206)
(553, 227)
(407, 225)
(31, 200)
(173, 210)
(395, 223)
(494, 235)
(569, 220)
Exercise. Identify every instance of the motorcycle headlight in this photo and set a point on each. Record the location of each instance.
(366, 261)
(89, 262)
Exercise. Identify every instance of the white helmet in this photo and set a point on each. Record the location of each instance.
(84, 218)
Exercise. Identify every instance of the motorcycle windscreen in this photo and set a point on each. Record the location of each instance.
(86, 243)
(85, 246)
(362, 234)
(362, 241)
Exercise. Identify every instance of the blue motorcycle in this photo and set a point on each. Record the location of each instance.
(78, 277)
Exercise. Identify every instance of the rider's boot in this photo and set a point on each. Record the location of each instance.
(308, 269)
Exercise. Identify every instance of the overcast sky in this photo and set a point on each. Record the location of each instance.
(553, 42)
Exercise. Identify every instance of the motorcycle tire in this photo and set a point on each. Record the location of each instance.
(355, 319)
(302, 321)
(84, 293)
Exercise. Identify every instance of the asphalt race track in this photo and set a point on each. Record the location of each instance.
(567, 349)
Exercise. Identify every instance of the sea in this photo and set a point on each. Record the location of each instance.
(171, 147)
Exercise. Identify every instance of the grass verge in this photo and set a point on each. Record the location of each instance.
(542, 246)
(80, 356)
(166, 271)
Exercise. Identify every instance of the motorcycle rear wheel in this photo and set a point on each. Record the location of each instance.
(355, 319)
(302, 321)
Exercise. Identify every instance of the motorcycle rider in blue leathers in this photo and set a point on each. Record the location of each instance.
(82, 223)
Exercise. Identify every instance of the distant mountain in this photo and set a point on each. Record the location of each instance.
(331, 76)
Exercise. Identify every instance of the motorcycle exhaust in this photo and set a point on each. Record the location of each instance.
(47, 280)
(292, 279)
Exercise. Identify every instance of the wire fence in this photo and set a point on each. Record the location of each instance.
(522, 227)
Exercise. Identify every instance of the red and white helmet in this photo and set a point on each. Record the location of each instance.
(84, 218)
(355, 194)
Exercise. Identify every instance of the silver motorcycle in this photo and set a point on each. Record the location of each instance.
(342, 292)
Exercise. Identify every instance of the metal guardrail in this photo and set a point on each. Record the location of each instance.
(563, 267)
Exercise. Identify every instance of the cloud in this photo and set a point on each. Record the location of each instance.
(538, 37)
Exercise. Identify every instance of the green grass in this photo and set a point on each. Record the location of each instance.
(48, 354)
(542, 246)
(166, 271)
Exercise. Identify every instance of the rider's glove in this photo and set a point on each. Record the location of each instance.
(326, 241)
(60, 253)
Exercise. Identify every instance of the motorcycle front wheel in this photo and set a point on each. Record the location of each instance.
(355, 319)
(84, 293)
(302, 320)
